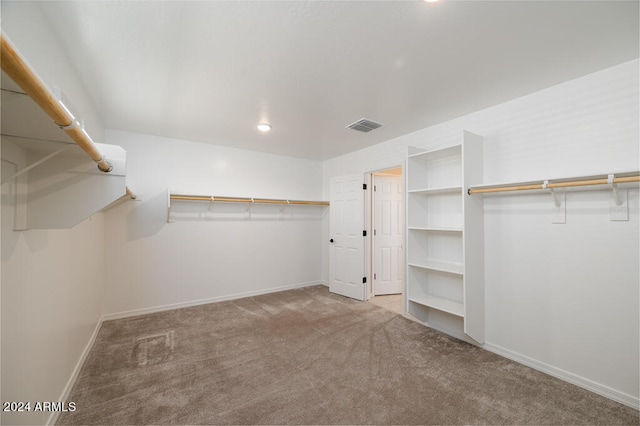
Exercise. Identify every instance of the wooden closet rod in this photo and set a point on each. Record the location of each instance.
(551, 185)
(21, 73)
(216, 199)
(130, 193)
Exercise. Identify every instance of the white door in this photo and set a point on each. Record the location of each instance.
(388, 249)
(346, 223)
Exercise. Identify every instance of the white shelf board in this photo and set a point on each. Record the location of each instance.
(444, 305)
(442, 190)
(447, 151)
(442, 266)
(434, 229)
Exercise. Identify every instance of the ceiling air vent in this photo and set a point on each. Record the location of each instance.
(364, 125)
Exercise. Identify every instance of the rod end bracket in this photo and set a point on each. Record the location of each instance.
(102, 168)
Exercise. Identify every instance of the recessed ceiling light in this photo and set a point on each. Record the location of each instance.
(264, 127)
(430, 1)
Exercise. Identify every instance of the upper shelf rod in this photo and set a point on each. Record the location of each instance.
(217, 199)
(24, 76)
(564, 183)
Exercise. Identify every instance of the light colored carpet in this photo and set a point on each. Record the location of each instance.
(391, 302)
(309, 357)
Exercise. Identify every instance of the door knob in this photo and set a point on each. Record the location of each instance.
(331, 240)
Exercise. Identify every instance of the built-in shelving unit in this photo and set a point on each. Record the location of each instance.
(445, 261)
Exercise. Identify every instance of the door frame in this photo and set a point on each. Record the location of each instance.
(369, 221)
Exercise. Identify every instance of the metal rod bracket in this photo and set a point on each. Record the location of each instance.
(75, 123)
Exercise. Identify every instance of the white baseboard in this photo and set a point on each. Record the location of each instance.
(600, 389)
(53, 418)
(143, 311)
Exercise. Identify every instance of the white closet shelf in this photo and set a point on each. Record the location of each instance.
(247, 206)
(434, 229)
(442, 190)
(581, 181)
(444, 305)
(616, 182)
(438, 153)
(440, 265)
(224, 199)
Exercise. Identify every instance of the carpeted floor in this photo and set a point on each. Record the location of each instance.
(309, 357)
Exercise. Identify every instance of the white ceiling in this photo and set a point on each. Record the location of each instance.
(209, 71)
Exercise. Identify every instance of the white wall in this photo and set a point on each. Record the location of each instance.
(152, 264)
(51, 280)
(51, 284)
(561, 297)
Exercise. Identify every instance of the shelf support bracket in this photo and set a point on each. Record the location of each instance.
(169, 218)
(37, 163)
(614, 187)
(559, 214)
(618, 203)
